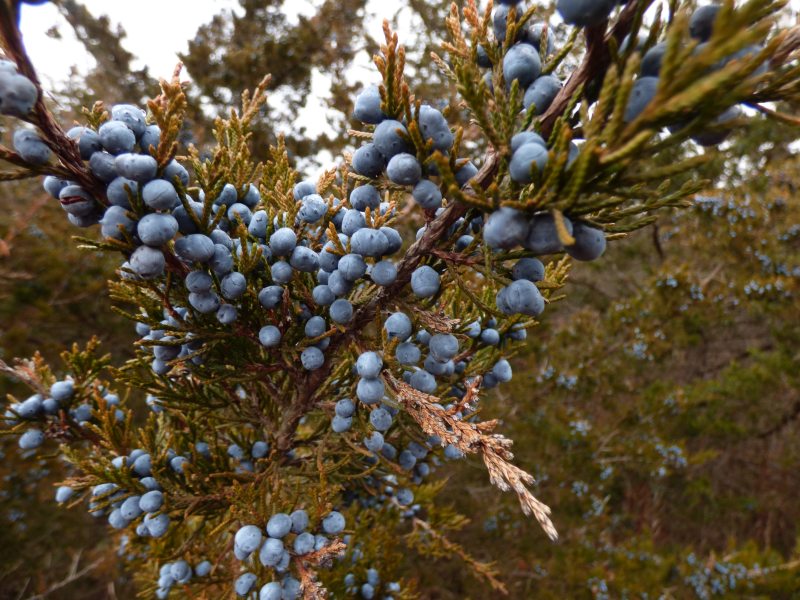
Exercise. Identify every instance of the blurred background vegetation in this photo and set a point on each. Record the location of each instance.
(658, 405)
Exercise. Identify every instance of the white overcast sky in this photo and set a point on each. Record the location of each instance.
(156, 31)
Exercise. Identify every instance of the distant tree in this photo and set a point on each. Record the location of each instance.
(232, 52)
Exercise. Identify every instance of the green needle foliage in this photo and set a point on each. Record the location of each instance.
(246, 423)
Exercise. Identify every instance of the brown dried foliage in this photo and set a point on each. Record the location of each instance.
(474, 438)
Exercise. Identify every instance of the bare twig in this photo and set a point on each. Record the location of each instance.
(485, 570)
(780, 116)
(73, 575)
(594, 64)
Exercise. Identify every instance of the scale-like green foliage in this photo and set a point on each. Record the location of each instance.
(662, 414)
(242, 423)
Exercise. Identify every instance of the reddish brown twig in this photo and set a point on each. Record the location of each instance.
(62, 146)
